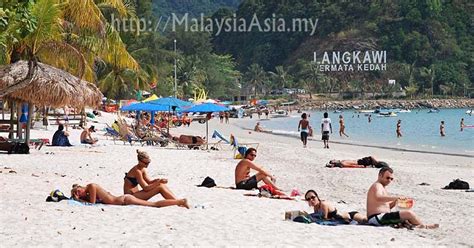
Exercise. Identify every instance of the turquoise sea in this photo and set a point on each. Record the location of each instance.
(420, 129)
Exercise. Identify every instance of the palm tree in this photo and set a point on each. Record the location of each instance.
(255, 77)
(70, 35)
(280, 77)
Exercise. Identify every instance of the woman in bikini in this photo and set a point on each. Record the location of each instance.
(137, 177)
(329, 212)
(342, 127)
(93, 193)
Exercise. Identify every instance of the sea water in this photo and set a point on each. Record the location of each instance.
(420, 129)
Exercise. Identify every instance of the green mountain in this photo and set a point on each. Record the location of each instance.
(193, 7)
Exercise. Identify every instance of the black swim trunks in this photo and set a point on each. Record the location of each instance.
(384, 219)
(325, 135)
(366, 161)
(304, 136)
(248, 184)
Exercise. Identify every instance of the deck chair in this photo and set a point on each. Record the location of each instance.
(239, 147)
(110, 132)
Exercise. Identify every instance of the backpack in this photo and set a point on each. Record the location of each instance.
(20, 148)
(457, 184)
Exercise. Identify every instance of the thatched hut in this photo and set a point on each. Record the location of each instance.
(45, 86)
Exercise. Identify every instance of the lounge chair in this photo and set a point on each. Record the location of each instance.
(236, 145)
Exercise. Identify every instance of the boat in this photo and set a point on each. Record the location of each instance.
(337, 111)
(387, 114)
(365, 111)
(470, 112)
(279, 113)
(404, 111)
(433, 110)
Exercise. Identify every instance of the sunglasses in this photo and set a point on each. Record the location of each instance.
(390, 178)
(311, 198)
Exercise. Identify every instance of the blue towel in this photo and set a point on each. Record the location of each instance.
(316, 218)
(218, 135)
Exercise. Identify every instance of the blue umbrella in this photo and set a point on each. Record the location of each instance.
(142, 106)
(206, 108)
(171, 101)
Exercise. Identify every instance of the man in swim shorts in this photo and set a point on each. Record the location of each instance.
(243, 180)
(380, 203)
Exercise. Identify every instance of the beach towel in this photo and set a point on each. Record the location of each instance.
(218, 135)
(317, 218)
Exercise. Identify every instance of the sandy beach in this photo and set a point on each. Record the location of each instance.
(218, 216)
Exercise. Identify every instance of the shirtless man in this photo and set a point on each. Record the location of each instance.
(258, 128)
(303, 125)
(242, 171)
(380, 203)
(86, 137)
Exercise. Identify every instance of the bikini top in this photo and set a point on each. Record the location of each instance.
(133, 180)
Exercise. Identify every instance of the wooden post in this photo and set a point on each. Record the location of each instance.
(12, 118)
(19, 129)
(28, 123)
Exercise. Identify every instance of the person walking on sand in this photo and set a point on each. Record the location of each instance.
(399, 129)
(326, 127)
(342, 127)
(304, 127)
(441, 129)
(243, 180)
(462, 124)
(138, 177)
(93, 193)
(380, 203)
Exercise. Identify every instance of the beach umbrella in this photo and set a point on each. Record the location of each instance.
(46, 86)
(206, 108)
(142, 106)
(171, 101)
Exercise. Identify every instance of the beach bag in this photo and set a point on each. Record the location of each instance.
(457, 184)
(20, 148)
(56, 196)
(208, 183)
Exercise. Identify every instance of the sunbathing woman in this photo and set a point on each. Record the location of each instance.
(93, 193)
(360, 163)
(329, 212)
(137, 176)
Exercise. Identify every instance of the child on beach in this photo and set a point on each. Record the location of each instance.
(326, 127)
(93, 193)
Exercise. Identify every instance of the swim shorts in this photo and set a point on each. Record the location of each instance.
(385, 219)
(250, 183)
(366, 161)
(304, 135)
(325, 135)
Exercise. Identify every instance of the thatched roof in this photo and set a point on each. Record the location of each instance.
(50, 86)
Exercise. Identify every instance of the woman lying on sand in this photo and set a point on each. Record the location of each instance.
(138, 177)
(329, 212)
(360, 163)
(93, 193)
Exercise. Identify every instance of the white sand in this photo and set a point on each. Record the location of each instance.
(224, 217)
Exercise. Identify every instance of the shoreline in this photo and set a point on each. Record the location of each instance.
(224, 216)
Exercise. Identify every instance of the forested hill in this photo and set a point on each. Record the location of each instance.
(193, 7)
(427, 42)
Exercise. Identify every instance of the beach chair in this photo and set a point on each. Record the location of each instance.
(238, 146)
(110, 132)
